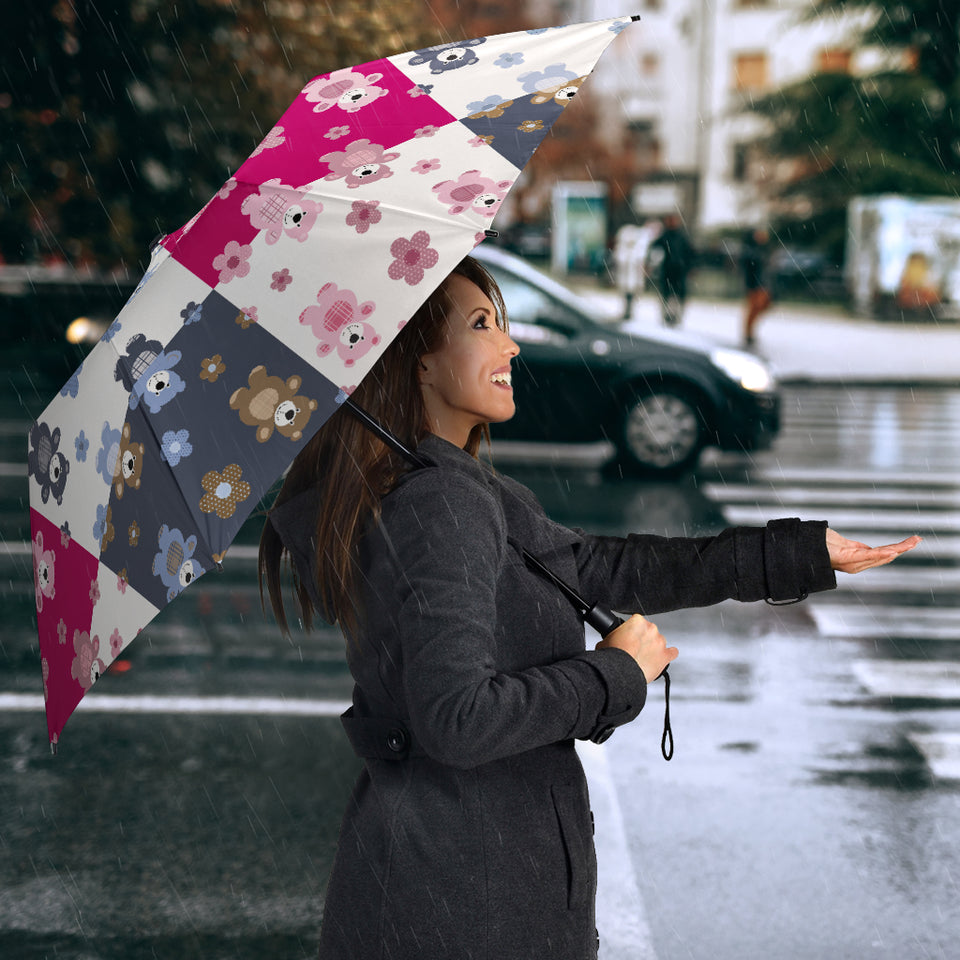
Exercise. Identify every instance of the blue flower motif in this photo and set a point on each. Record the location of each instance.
(619, 27)
(82, 445)
(112, 330)
(506, 60)
(192, 313)
(100, 527)
(175, 445)
(72, 386)
(538, 31)
(488, 103)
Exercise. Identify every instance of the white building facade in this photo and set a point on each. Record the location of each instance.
(680, 79)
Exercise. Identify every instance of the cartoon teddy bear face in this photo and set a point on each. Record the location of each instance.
(362, 162)
(159, 384)
(279, 210)
(448, 56)
(129, 464)
(174, 564)
(271, 404)
(345, 89)
(46, 464)
(561, 94)
(44, 570)
(472, 191)
(339, 322)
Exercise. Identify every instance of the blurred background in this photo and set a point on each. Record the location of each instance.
(812, 807)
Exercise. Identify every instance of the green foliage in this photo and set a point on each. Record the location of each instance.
(895, 130)
(119, 119)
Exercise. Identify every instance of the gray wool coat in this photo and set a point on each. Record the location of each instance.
(468, 835)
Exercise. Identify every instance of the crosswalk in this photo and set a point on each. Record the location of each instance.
(890, 470)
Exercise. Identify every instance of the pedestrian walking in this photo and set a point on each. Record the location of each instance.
(676, 255)
(468, 832)
(754, 260)
(629, 257)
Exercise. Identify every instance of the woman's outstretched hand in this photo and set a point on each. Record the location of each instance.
(849, 556)
(644, 642)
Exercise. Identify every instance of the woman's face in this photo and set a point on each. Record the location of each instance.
(466, 382)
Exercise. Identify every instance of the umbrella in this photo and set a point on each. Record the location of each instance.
(257, 318)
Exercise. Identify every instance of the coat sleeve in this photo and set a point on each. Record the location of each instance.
(448, 548)
(782, 562)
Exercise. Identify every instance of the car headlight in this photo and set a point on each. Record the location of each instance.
(751, 373)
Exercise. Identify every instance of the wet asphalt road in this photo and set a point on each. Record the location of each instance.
(800, 817)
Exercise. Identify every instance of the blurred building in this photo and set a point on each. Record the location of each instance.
(675, 86)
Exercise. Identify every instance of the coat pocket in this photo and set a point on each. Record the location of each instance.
(573, 815)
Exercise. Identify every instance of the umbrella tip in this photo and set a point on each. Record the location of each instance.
(491, 234)
(635, 17)
(53, 748)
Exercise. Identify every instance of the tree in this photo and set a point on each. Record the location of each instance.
(893, 129)
(119, 119)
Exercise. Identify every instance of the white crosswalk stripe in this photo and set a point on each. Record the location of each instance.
(914, 602)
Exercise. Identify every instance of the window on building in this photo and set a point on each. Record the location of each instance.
(650, 64)
(651, 4)
(834, 60)
(750, 72)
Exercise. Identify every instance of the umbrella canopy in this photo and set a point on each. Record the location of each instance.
(258, 317)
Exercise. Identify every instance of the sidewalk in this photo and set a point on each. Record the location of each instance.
(809, 342)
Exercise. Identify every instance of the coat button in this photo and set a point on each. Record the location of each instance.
(603, 734)
(397, 739)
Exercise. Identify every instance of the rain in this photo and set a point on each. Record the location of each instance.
(811, 807)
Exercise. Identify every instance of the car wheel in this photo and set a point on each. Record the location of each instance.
(661, 432)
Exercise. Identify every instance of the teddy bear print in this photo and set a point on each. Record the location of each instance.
(43, 570)
(147, 371)
(279, 210)
(346, 89)
(46, 464)
(448, 56)
(270, 404)
(340, 323)
(362, 162)
(174, 564)
(555, 83)
(129, 465)
(472, 191)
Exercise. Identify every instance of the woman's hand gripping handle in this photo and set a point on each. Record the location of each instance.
(644, 642)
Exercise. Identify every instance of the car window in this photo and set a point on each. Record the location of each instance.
(528, 306)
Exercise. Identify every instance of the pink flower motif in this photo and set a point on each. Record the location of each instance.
(416, 91)
(363, 214)
(116, 643)
(281, 280)
(122, 583)
(427, 131)
(87, 666)
(335, 133)
(478, 141)
(233, 261)
(227, 188)
(62, 632)
(479, 237)
(274, 138)
(94, 591)
(413, 256)
(425, 166)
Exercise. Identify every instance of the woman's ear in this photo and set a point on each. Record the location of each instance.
(425, 373)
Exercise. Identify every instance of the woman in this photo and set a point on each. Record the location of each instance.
(754, 263)
(468, 834)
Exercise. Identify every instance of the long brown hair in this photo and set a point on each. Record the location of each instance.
(352, 470)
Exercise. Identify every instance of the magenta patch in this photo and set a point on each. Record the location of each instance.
(371, 102)
(202, 246)
(64, 578)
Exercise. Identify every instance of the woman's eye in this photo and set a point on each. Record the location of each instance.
(480, 323)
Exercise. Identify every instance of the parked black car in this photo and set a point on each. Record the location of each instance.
(659, 398)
